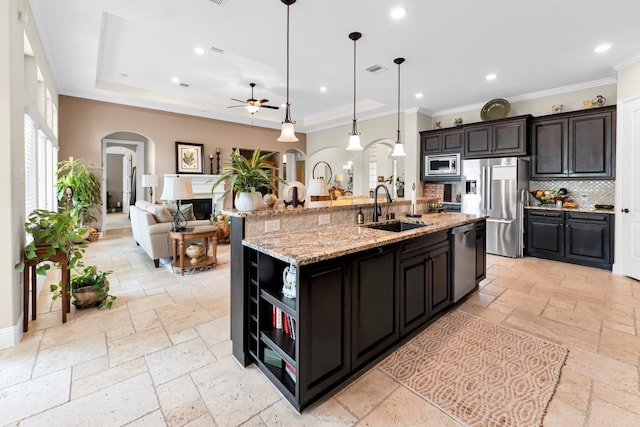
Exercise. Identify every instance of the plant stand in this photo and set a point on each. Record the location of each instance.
(30, 267)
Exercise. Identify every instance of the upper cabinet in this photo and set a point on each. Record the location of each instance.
(574, 145)
(505, 137)
(441, 141)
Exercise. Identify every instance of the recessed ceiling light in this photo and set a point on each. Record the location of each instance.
(398, 12)
(283, 105)
(323, 88)
(175, 80)
(419, 95)
(602, 48)
(199, 51)
(491, 76)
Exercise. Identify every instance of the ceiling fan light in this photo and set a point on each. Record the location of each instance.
(252, 108)
(398, 150)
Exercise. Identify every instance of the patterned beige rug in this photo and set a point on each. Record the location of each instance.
(482, 373)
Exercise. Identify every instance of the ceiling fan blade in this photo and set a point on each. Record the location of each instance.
(263, 101)
(270, 106)
(239, 100)
(235, 106)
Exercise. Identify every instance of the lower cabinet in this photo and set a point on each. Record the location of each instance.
(425, 279)
(374, 306)
(583, 238)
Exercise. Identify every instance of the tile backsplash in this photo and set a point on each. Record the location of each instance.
(596, 191)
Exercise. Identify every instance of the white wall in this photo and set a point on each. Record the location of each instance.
(629, 81)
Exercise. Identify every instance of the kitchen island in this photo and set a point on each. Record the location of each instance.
(361, 291)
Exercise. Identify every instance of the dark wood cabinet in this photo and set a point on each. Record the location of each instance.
(505, 137)
(374, 310)
(589, 238)
(574, 145)
(583, 238)
(440, 141)
(425, 280)
(481, 251)
(545, 234)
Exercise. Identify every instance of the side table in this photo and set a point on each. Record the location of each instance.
(30, 267)
(210, 236)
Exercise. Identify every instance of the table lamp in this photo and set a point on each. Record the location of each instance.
(150, 181)
(176, 188)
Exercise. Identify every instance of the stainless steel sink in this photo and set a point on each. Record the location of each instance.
(396, 226)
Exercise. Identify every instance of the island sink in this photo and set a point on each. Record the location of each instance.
(397, 226)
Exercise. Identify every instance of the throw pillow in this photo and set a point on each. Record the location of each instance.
(186, 209)
(160, 213)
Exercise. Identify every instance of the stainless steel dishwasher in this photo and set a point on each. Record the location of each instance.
(464, 260)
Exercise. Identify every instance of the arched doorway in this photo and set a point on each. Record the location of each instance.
(126, 156)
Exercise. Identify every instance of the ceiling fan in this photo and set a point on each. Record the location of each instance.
(252, 104)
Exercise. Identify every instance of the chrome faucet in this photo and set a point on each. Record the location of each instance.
(376, 210)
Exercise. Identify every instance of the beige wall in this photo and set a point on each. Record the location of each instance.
(84, 123)
(629, 81)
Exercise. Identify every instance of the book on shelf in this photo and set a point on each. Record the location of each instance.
(272, 358)
(290, 371)
(278, 318)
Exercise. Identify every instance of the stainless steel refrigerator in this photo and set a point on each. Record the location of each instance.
(497, 188)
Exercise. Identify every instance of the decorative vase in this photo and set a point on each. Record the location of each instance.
(195, 252)
(249, 202)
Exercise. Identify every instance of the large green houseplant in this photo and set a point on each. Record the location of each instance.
(247, 176)
(78, 189)
(52, 232)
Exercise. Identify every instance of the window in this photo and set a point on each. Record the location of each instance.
(373, 174)
(41, 159)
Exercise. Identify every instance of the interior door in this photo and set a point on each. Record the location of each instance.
(628, 196)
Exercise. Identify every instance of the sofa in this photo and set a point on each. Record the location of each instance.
(150, 225)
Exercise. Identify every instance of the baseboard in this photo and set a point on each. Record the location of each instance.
(11, 335)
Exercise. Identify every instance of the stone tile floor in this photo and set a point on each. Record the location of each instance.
(161, 356)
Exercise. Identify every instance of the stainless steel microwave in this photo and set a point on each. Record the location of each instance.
(442, 165)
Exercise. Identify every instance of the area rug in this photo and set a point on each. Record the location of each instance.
(480, 372)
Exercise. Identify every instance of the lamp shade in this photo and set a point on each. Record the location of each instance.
(398, 150)
(354, 143)
(177, 189)
(288, 133)
(149, 181)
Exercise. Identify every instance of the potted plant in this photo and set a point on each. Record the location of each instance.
(246, 177)
(90, 288)
(78, 189)
(52, 232)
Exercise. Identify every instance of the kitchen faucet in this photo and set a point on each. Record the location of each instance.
(376, 210)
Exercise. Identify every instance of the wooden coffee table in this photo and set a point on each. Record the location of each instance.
(210, 236)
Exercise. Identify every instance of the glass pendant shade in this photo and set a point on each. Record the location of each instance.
(252, 109)
(398, 150)
(354, 143)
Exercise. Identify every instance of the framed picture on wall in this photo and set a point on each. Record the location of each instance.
(189, 158)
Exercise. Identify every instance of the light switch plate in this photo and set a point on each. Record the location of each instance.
(273, 225)
(324, 219)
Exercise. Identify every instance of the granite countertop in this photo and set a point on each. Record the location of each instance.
(308, 247)
(578, 209)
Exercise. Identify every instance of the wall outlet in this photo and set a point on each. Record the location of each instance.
(324, 219)
(273, 225)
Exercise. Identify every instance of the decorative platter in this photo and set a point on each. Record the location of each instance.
(495, 109)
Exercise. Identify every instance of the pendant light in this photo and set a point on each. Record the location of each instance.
(288, 133)
(354, 136)
(398, 147)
